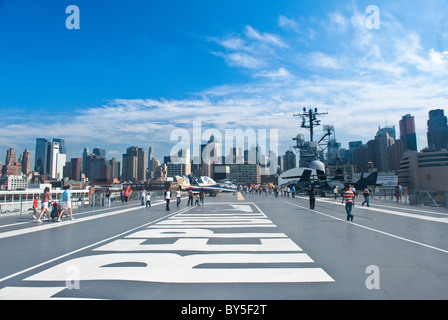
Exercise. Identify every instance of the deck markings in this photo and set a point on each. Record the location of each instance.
(371, 229)
(188, 248)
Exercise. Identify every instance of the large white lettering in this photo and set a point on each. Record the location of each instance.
(185, 244)
(173, 268)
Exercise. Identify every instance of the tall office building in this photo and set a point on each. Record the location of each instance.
(150, 153)
(61, 142)
(210, 155)
(437, 130)
(85, 154)
(153, 163)
(142, 164)
(114, 168)
(134, 164)
(236, 156)
(289, 160)
(76, 169)
(26, 161)
(56, 161)
(100, 152)
(40, 161)
(10, 156)
(179, 164)
(99, 168)
(382, 142)
(407, 133)
(129, 172)
(50, 157)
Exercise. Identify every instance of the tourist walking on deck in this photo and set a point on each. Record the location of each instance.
(108, 197)
(399, 193)
(143, 196)
(201, 196)
(312, 194)
(335, 192)
(167, 199)
(148, 200)
(366, 194)
(46, 199)
(178, 196)
(190, 197)
(35, 210)
(66, 203)
(196, 202)
(348, 197)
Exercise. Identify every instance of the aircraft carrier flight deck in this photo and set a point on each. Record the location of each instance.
(234, 247)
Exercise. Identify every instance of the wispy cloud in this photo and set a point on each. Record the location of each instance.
(288, 23)
(251, 50)
(280, 73)
(265, 37)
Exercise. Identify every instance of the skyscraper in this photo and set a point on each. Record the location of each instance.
(76, 169)
(289, 160)
(56, 161)
(129, 172)
(153, 163)
(61, 142)
(390, 131)
(407, 133)
(100, 152)
(40, 161)
(10, 156)
(85, 154)
(26, 161)
(49, 156)
(437, 130)
(142, 164)
(382, 142)
(211, 154)
(134, 164)
(150, 153)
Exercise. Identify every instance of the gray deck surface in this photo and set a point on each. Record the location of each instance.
(259, 248)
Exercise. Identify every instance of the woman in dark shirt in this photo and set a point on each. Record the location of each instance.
(312, 198)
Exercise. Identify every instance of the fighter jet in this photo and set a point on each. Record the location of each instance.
(207, 184)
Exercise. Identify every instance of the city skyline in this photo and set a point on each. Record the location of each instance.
(135, 72)
(174, 148)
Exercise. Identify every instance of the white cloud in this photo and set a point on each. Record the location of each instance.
(280, 73)
(287, 23)
(338, 22)
(251, 50)
(321, 60)
(265, 37)
(233, 44)
(438, 58)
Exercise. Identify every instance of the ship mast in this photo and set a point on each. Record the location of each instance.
(308, 150)
(309, 120)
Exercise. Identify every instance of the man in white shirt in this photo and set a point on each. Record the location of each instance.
(167, 199)
(178, 197)
(143, 196)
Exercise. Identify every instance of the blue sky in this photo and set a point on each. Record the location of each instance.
(137, 70)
